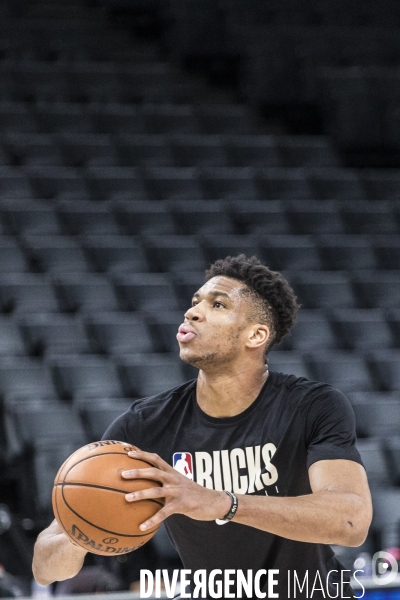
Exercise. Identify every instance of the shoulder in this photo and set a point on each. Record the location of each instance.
(163, 400)
(313, 397)
(304, 389)
(156, 409)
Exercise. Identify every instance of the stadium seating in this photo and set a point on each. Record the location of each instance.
(122, 177)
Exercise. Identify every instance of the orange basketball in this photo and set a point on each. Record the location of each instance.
(89, 499)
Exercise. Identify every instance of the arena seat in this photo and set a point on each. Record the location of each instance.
(347, 252)
(314, 217)
(385, 363)
(142, 217)
(15, 117)
(169, 118)
(173, 183)
(87, 150)
(57, 183)
(164, 327)
(377, 289)
(228, 245)
(85, 292)
(289, 362)
(289, 252)
(33, 149)
(48, 456)
(114, 119)
(174, 253)
(41, 419)
(260, 217)
(381, 184)
(145, 150)
(202, 218)
(85, 376)
(373, 457)
(19, 217)
(226, 119)
(148, 374)
(344, 370)
(119, 333)
(368, 217)
(199, 150)
(27, 293)
(115, 253)
(386, 504)
(47, 334)
(362, 329)
(56, 254)
(14, 184)
(63, 117)
(186, 284)
(311, 333)
(12, 258)
(86, 218)
(6, 158)
(115, 183)
(392, 450)
(253, 151)
(335, 183)
(147, 292)
(376, 414)
(12, 342)
(283, 184)
(98, 416)
(387, 250)
(393, 318)
(24, 378)
(229, 183)
(306, 151)
(324, 289)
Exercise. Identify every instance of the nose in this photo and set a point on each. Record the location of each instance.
(194, 313)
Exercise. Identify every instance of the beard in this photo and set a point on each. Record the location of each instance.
(201, 361)
(209, 360)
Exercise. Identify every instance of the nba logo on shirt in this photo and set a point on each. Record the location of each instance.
(183, 462)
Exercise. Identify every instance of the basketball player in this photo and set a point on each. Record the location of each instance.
(276, 475)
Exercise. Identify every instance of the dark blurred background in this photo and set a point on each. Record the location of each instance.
(139, 141)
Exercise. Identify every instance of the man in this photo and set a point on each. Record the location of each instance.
(277, 477)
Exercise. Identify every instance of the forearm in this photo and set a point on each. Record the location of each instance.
(325, 517)
(55, 558)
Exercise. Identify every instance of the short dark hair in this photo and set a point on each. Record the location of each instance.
(277, 304)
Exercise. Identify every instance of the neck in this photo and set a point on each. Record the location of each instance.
(228, 393)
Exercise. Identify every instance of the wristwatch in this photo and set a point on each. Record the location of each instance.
(232, 511)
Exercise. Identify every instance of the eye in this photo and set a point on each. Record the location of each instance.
(218, 304)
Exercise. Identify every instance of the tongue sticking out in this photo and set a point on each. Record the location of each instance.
(185, 337)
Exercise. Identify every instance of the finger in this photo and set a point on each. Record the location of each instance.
(150, 457)
(156, 519)
(153, 492)
(150, 473)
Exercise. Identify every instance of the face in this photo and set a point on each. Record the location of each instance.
(216, 327)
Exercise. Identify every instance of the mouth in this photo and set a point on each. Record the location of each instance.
(185, 334)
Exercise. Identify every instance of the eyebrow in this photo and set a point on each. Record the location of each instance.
(213, 294)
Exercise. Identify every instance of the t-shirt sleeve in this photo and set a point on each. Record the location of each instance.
(330, 427)
(117, 430)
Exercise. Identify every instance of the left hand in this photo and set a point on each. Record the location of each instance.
(181, 495)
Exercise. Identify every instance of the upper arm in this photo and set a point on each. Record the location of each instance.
(346, 477)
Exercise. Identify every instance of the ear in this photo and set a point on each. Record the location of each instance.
(258, 335)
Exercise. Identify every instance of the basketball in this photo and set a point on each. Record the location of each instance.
(89, 499)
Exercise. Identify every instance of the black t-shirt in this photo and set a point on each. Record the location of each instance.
(265, 450)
